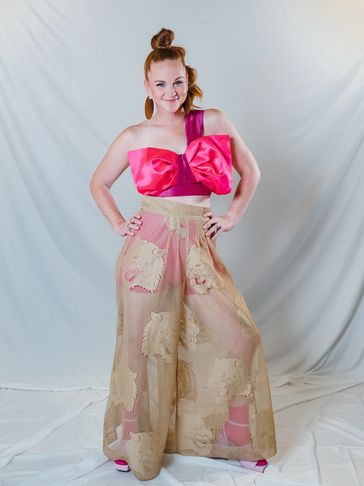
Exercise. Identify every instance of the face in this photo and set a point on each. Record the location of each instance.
(167, 84)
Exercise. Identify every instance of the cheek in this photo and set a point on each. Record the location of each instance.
(156, 93)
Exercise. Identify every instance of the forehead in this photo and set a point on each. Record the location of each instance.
(166, 70)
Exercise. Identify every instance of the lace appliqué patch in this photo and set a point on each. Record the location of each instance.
(143, 265)
(216, 420)
(199, 271)
(186, 380)
(194, 434)
(229, 377)
(190, 328)
(160, 336)
(264, 433)
(124, 387)
(144, 454)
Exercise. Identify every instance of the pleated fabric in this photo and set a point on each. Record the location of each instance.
(187, 349)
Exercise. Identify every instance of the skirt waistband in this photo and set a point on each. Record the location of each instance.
(173, 208)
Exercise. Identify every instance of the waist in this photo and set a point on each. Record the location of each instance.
(162, 205)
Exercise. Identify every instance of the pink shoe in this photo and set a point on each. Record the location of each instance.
(121, 465)
(255, 465)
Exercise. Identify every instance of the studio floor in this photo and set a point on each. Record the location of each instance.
(54, 437)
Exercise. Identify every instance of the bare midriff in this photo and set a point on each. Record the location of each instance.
(204, 201)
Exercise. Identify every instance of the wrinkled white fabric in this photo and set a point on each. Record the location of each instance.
(290, 76)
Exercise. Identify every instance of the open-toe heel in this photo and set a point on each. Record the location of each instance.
(121, 465)
(258, 466)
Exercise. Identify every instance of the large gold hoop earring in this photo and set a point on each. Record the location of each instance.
(148, 107)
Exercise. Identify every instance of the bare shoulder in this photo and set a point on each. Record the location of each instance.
(133, 133)
(216, 121)
(127, 136)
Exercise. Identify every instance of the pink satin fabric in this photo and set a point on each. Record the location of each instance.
(205, 167)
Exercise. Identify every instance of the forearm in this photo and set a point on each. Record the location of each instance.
(243, 195)
(107, 204)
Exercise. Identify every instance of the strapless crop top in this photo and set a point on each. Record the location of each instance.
(204, 167)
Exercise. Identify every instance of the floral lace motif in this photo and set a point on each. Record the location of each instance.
(195, 434)
(199, 271)
(265, 430)
(229, 377)
(160, 336)
(186, 381)
(143, 265)
(216, 420)
(144, 454)
(124, 387)
(190, 328)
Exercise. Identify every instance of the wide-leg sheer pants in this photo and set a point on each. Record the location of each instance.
(187, 346)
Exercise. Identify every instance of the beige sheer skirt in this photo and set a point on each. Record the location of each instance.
(187, 347)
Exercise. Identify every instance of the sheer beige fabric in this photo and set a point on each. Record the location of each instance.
(186, 347)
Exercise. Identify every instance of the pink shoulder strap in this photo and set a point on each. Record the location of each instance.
(194, 125)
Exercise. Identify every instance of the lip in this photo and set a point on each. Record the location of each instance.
(171, 101)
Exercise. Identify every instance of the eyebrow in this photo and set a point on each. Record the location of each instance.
(161, 80)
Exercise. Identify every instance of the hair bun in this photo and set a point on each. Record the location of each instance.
(163, 39)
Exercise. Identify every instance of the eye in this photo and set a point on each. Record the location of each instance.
(162, 84)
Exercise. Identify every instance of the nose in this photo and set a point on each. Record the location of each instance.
(172, 92)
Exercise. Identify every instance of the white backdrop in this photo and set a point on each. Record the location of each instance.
(290, 76)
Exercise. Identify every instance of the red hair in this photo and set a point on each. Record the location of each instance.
(162, 50)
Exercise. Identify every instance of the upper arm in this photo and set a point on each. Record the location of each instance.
(114, 162)
(242, 157)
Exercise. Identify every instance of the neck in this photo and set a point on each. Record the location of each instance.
(163, 117)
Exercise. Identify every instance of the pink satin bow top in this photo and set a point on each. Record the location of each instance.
(204, 167)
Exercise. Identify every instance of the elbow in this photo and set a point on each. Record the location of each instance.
(253, 175)
(93, 185)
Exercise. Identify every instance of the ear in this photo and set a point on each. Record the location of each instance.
(146, 87)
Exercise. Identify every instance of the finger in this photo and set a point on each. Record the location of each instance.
(217, 228)
(135, 220)
(211, 230)
(215, 234)
(208, 222)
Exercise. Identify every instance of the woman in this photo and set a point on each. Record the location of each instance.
(189, 374)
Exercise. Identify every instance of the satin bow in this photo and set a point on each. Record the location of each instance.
(209, 158)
